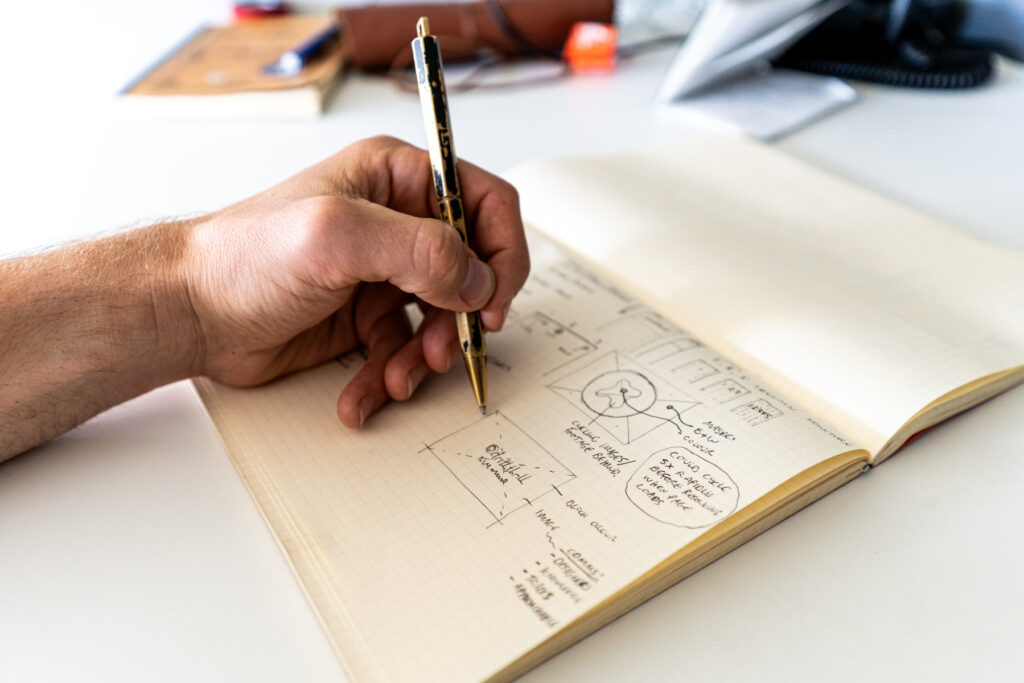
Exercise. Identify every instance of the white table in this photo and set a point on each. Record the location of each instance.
(129, 549)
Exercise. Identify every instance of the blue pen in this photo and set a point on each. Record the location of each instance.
(293, 61)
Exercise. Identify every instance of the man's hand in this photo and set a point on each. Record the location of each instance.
(326, 262)
(323, 263)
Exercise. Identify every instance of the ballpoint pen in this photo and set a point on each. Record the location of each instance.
(434, 103)
(293, 61)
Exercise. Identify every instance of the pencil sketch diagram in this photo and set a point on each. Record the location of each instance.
(696, 370)
(624, 398)
(639, 325)
(680, 358)
(665, 350)
(564, 344)
(757, 412)
(725, 391)
(499, 464)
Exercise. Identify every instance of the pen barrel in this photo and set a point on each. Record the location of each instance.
(471, 334)
(476, 368)
(444, 167)
(470, 328)
(436, 121)
(451, 212)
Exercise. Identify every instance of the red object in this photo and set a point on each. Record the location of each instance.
(591, 47)
(257, 10)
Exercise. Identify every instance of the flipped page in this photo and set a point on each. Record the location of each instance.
(864, 311)
(436, 544)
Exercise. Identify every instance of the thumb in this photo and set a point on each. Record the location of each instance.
(421, 256)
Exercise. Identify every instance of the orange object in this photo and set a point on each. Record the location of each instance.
(591, 47)
(258, 10)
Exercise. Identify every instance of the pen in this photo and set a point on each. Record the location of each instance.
(294, 60)
(434, 103)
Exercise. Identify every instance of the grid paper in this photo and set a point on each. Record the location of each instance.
(863, 310)
(436, 544)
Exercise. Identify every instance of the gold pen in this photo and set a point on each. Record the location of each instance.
(434, 103)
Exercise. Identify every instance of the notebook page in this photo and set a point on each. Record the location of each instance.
(439, 544)
(861, 309)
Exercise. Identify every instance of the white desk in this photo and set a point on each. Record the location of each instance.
(129, 549)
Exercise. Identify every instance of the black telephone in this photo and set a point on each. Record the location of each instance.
(912, 43)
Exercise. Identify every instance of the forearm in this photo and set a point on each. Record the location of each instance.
(88, 326)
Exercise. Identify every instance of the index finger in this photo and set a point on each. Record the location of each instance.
(497, 235)
(398, 175)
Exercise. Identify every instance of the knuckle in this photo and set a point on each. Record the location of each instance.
(510, 194)
(320, 216)
(505, 196)
(315, 226)
(378, 142)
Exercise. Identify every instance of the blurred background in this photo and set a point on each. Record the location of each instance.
(65, 148)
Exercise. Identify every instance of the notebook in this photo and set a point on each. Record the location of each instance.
(219, 72)
(712, 336)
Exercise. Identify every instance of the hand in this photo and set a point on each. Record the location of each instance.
(326, 261)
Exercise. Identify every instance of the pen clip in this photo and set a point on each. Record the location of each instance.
(434, 104)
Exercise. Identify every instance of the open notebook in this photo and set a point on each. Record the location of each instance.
(734, 335)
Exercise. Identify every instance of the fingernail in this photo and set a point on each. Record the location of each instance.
(365, 407)
(491, 320)
(495, 321)
(416, 376)
(479, 283)
(453, 355)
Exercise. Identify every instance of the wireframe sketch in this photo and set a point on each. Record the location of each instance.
(695, 370)
(568, 344)
(725, 391)
(757, 412)
(499, 464)
(624, 398)
(666, 350)
(645, 329)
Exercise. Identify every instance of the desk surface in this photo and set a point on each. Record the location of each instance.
(132, 551)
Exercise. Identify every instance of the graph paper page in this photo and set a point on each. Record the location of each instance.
(439, 544)
(862, 310)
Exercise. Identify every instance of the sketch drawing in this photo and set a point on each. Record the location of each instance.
(624, 398)
(757, 412)
(666, 350)
(643, 328)
(695, 370)
(725, 391)
(567, 344)
(499, 464)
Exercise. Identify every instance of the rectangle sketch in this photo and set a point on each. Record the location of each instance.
(666, 350)
(725, 391)
(642, 327)
(725, 365)
(499, 464)
(567, 344)
(695, 370)
(757, 412)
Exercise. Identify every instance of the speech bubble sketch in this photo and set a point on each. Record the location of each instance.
(678, 487)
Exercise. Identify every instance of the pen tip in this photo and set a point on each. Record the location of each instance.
(422, 27)
(483, 410)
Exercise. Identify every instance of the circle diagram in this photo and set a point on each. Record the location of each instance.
(619, 393)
